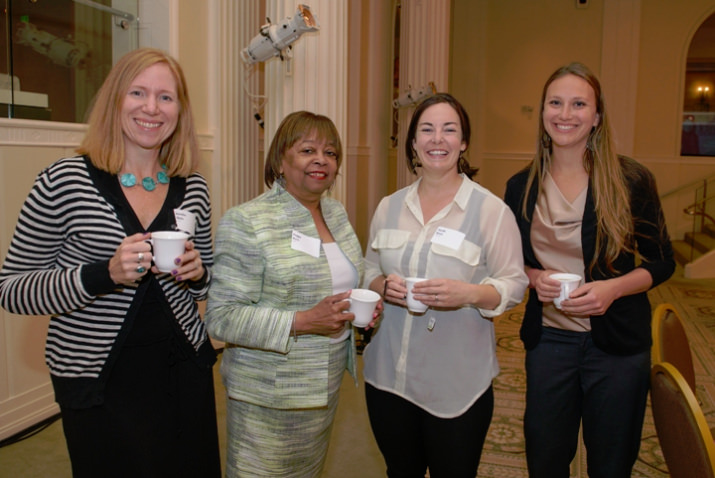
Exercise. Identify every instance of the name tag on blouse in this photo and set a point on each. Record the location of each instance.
(448, 237)
(301, 242)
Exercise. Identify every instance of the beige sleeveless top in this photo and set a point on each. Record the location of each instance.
(556, 239)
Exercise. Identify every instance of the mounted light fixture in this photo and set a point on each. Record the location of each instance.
(272, 39)
(703, 93)
(122, 19)
(412, 97)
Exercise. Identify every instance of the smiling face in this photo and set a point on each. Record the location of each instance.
(570, 111)
(150, 110)
(438, 139)
(309, 167)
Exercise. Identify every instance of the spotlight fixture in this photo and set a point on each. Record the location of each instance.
(411, 97)
(273, 39)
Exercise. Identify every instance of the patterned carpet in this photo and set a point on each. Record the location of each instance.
(503, 455)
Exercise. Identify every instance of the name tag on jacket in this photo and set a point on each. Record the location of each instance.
(309, 245)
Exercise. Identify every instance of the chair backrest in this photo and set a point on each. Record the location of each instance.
(685, 439)
(670, 342)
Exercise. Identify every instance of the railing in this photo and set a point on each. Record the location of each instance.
(699, 208)
(702, 210)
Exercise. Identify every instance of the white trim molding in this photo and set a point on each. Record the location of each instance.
(19, 132)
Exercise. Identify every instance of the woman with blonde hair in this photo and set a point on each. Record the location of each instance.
(584, 210)
(129, 356)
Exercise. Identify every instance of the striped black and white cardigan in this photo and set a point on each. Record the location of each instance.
(69, 227)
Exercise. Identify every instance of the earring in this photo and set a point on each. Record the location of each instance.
(546, 141)
(416, 163)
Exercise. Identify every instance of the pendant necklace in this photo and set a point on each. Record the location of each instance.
(128, 180)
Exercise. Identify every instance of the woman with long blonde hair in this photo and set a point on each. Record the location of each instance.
(584, 210)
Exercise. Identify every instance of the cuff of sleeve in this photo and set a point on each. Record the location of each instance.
(95, 278)
(201, 283)
(659, 271)
(503, 293)
(292, 333)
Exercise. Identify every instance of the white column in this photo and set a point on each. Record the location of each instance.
(238, 168)
(369, 107)
(619, 68)
(315, 79)
(424, 57)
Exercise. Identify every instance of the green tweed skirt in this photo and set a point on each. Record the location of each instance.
(268, 442)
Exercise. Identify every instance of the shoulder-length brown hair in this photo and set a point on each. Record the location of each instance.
(294, 127)
(463, 165)
(104, 141)
(615, 229)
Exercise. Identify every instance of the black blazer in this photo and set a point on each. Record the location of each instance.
(625, 327)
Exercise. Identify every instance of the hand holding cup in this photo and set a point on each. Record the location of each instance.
(166, 247)
(413, 305)
(569, 283)
(363, 303)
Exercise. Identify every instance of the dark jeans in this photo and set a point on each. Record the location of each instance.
(570, 380)
(411, 439)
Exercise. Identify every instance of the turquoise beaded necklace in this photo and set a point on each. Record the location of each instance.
(128, 180)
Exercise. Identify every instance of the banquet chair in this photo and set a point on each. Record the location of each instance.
(686, 441)
(670, 342)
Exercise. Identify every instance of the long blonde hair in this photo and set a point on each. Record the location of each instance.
(104, 141)
(615, 230)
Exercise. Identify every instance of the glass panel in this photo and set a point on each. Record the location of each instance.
(698, 135)
(56, 53)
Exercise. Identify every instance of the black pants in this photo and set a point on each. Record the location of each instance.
(570, 381)
(411, 439)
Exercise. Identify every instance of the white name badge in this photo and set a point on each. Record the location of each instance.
(301, 242)
(448, 237)
(185, 221)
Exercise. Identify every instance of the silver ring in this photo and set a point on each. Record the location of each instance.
(436, 298)
(140, 257)
(140, 270)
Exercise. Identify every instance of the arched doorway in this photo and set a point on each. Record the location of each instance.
(698, 134)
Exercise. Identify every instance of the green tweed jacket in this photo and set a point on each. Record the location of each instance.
(258, 284)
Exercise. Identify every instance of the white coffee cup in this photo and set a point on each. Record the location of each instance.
(569, 283)
(362, 304)
(167, 246)
(414, 305)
